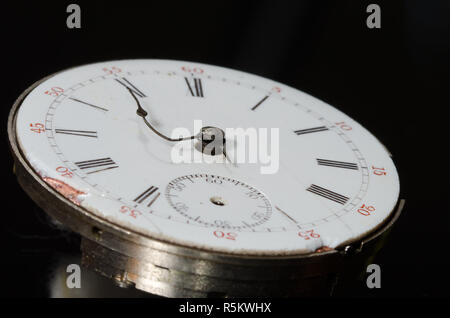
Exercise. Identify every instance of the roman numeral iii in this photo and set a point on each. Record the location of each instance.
(196, 89)
(148, 194)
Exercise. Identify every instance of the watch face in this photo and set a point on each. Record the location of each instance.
(297, 174)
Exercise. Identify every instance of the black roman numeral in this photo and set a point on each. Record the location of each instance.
(88, 104)
(83, 133)
(197, 91)
(104, 163)
(148, 194)
(260, 102)
(337, 164)
(127, 84)
(310, 130)
(330, 195)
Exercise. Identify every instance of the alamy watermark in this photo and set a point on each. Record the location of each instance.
(73, 21)
(374, 279)
(374, 19)
(235, 145)
(73, 279)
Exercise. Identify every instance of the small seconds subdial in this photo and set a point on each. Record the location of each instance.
(220, 202)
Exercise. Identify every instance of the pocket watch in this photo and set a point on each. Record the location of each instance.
(293, 193)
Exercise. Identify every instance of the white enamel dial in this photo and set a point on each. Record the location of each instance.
(331, 182)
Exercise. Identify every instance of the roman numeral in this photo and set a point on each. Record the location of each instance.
(148, 194)
(83, 133)
(88, 104)
(286, 215)
(337, 164)
(330, 195)
(104, 164)
(260, 102)
(310, 130)
(126, 83)
(197, 91)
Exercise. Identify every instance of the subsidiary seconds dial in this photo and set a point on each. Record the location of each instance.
(218, 202)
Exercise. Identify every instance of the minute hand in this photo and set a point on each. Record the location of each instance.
(141, 112)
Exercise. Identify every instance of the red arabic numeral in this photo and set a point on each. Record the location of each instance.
(131, 212)
(276, 89)
(378, 171)
(196, 70)
(229, 236)
(37, 128)
(65, 172)
(55, 91)
(366, 210)
(343, 126)
(112, 70)
(306, 235)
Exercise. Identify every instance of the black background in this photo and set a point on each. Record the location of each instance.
(393, 80)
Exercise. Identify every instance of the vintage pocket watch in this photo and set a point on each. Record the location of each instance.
(95, 147)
